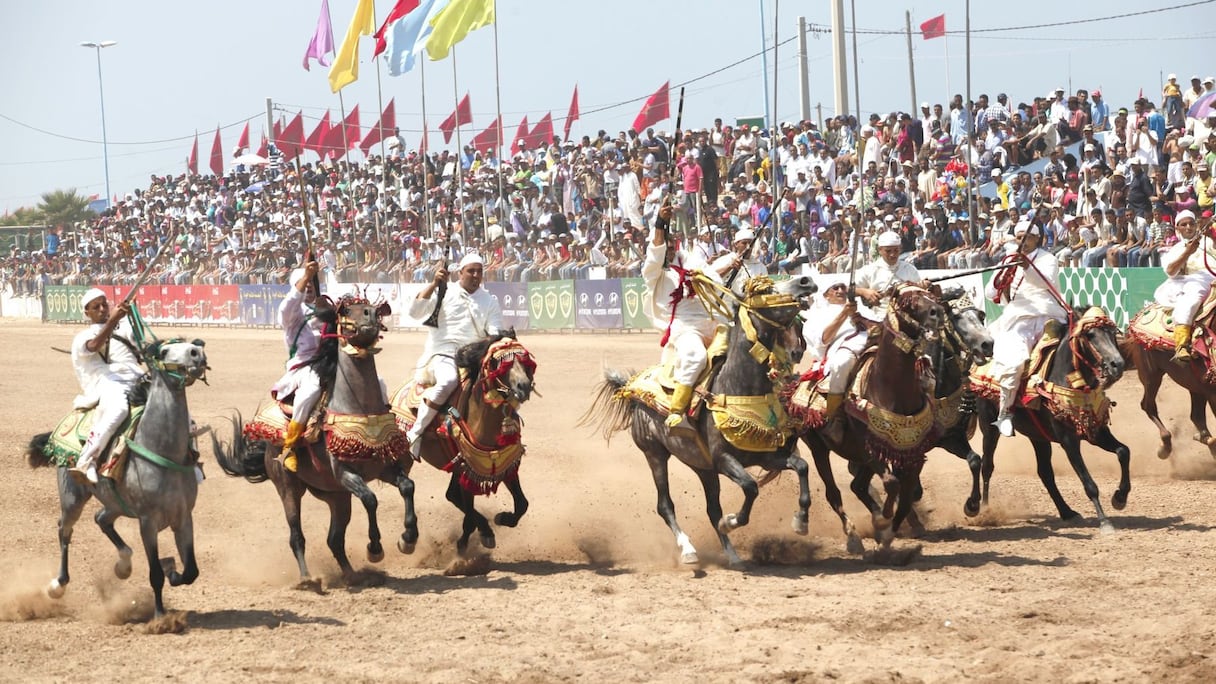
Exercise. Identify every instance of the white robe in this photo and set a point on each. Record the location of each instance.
(629, 198)
(1186, 290)
(1029, 304)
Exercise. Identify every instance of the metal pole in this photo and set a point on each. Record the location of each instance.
(383, 166)
(911, 67)
(774, 148)
(764, 66)
(101, 91)
(459, 171)
(856, 73)
(341, 102)
(970, 134)
(499, 204)
(270, 120)
(804, 74)
(840, 89)
(426, 151)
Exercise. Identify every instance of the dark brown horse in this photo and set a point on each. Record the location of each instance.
(895, 395)
(477, 439)
(360, 441)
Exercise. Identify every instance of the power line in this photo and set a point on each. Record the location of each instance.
(98, 142)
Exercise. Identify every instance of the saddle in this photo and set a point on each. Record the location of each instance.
(654, 386)
(70, 434)
(348, 438)
(1153, 329)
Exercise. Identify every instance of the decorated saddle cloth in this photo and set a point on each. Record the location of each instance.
(348, 438)
(269, 424)
(1153, 328)
(896, 440)
(655, 385)
(69, 436)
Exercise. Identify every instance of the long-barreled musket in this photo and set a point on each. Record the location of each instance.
(672, 174)
(143, 277)
(310, 253)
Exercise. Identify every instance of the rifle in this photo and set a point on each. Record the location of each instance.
(441, 289)
(852, 292)
(671, 153)
(309, 253)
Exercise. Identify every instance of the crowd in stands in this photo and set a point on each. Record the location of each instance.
(580, 208)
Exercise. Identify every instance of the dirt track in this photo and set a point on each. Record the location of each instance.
(588, 587)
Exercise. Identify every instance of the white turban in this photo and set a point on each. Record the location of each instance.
(90, 295)
(889, 239)
(1182, 215)
(470, 259)
(744, 234)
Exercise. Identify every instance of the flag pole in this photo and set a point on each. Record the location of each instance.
(341, 102)
(380, 129)
(498, 206)
(970, 134)
(774, 150)
(426, 177)
(459, 170)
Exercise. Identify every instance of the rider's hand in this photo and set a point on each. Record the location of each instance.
(121, 310)
(311, 269)
(666, 211)
(441, 275)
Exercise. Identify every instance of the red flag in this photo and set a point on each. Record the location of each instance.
(192, 160)
(543, 133)
(402, 8)
(521, 135)
(490, 138)
(572, 115)
(278, 131)
(263, 147)
(291, 142)
(351, 124)
(388, 122)
(934, 28)
(217, 154)
(243, 141)
(657, 108)
(458, 118)
(316, 139)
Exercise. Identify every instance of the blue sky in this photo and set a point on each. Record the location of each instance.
(180, 67)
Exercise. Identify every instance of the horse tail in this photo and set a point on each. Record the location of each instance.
(241, 457)
(608, 412)
(35, 453)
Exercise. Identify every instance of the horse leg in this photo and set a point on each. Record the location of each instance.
(657, 460)
(987, 462)
(909, 484)
(473, 521)
(156, 572)
(1148, 403)
(735, 472)
(105, 520)
(511, 519)
(955, 442)
(409, 538)
(862, 475)
(801, 521)
(713, 507)
(1047, 475)
(183, 536)
(1106, 440)
(821, 456)
(1072, 447)
(1203, 436)
(72, 498)
(291, 493)
(1199, 418)
(354, 484)
(339, 518)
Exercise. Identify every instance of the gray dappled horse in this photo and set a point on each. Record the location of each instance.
(774, 327)
(347, 367)
(158, 486)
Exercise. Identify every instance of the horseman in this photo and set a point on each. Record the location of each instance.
(1187, 282)
(105, 375)
(467, 314)
(874, 279)
(302, 333)
(737, 261)
(1027, 288)
(838, 334)
(689, 326)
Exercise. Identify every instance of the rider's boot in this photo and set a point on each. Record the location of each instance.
(295, 430)
(86, 463)
(833, 424)
(426, 415)
(1004, 420)
(1182, 344)
(677, 419)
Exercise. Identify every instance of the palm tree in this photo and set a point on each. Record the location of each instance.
(63, 208)
(23, 216)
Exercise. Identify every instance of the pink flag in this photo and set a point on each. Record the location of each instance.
(322, 43)
(572, 115)
(657, 108)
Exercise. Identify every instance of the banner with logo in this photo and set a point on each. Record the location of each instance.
(633, 291)
(62, 302)
(513, 299)
(259, 304)
(598, 304)
(551, 304)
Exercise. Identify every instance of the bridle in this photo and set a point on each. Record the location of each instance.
(1082, 348)
(182, 374)
(499, 360)
(348, 328)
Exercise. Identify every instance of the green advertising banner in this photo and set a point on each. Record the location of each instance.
(1141, 284)
(62, 302)
(551, 305)
(633, 291)
(1121, 291)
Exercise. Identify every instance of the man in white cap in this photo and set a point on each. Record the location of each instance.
(1027, 288)
(833, 329)
(302, 330)
(739, 261)
(1187, 280)
(674, 307)
(874, 279)
(467, 314)
(104, 377)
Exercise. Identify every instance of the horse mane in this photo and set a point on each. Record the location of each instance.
(470, 356)
(325, 363)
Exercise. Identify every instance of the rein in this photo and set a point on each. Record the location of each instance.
(1094, 318)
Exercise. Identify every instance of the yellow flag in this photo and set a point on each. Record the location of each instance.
(451, 24)
(345, 69)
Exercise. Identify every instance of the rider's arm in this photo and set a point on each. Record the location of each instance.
(103, 335)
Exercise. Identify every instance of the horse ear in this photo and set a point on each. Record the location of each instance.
(510, 332)
(383, 310)
(198, 343)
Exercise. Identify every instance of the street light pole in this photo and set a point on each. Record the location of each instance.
(105, 147)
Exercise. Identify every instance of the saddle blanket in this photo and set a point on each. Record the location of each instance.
(654, 386)
(69, 436)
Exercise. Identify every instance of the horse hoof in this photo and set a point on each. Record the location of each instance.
(55, 590)
(884, 535)
(374, 556)
(855, 546)
(728, 523)
(800, 526)
(1106, 528)
(971, 508)
(122, 569)
(689, 558)
(1119, 501)
(505, 519)
(488, 541)
(406, 547)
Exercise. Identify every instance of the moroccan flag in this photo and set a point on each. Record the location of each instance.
(542, 134)
(458, 118)
(291, 142)
(192, 160)
(263, 148)
(345, 69)
(451, 24)
(217, 154)
(572, 115)
(657, 108)
(322, 43)
(316, 139)
(490, 138)
(243, 141)
(351, 124)
(402, 8)
(521, 135)
(934, 28)
(278, 131)
(387, 122)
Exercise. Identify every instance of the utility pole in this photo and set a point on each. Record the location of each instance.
(819, 114)
(911, 67)
(840, 67)
(270, 120)
(804, 74)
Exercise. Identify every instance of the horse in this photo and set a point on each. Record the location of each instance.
(897, 451)
(361, 441)
(742, 422)
(1070, 404)
(1150, 355)
(158, 485)
(478, 441)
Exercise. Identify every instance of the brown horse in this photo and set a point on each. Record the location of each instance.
(360, 440)
(893, 395)
(477, 439)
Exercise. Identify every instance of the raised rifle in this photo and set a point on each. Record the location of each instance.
(441, 289)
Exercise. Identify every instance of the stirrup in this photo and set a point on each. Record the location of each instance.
(1182, 356)
(290, 461)
(679, 422)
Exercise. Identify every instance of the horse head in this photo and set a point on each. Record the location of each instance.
(1094, 342)
(502, 367)
(359, 320)
(178, 360)
(915, 312)
(769, 312)
(967, 323)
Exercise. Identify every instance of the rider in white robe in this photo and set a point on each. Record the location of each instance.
(302, 335)
(1188, 280)
(104, 382)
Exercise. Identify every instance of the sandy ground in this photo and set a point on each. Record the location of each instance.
(588, 586)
